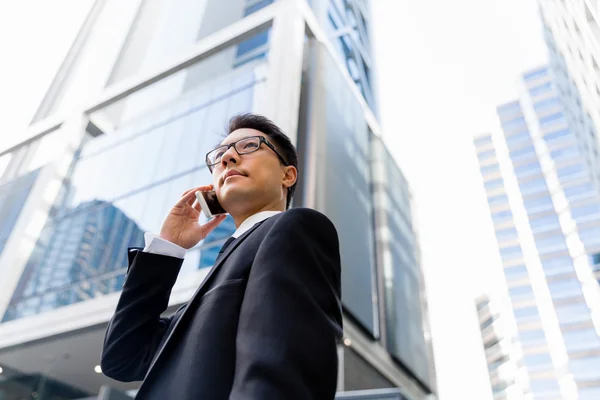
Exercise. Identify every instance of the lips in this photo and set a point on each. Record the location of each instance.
(232, 172)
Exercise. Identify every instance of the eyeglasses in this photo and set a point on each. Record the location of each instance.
(246, 145)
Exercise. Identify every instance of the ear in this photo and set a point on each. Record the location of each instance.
(290, 176)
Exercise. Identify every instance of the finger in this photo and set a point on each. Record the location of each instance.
(187, 191)
(190, 194)
(205, 188)
(191, 200)
(200, 188)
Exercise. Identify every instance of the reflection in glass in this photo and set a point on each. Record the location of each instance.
(121, 185)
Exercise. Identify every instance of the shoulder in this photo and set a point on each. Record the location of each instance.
(305, 222)
(305, 217)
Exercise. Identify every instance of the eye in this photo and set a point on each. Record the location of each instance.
(250, 145)
(218, 154)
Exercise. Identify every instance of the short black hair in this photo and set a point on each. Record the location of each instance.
(277, 137)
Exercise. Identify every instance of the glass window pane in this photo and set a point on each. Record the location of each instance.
(518, 293)
(536, 362)
(564, 288)
(509, 253)
(572, 313)
(526, 314)
(589, 393)
(502, 216)
(558, 265)
(535, 337)
(581, 339)
(516, 272)
(490, 169)
(483, 141)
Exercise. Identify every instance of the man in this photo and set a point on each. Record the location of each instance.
(265, 322)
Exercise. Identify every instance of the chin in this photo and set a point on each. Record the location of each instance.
(233, 195)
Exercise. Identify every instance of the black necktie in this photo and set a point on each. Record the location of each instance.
(225, 245)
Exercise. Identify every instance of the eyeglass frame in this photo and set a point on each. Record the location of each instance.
(261, 140)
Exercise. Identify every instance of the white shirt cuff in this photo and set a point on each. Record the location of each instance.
(158, 245)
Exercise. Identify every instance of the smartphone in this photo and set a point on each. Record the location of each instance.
(210, 204)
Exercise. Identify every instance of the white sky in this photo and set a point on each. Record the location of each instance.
(442, 67)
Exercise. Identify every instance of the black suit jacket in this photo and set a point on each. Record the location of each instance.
(264, 324)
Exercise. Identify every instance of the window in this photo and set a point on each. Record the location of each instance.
(590, 236)
(564, 153)
(589, 393)
(572, 313)
(501, 216)
(570, 170)
(510, 253)
(533, 186)
(552, 118)
(558, 265)
(486, 323)
(532, 337)
(517, 291)
(509, 108)
(514, 122)
(484, 155)
(545, 223)
(522, 153)
(493, 366)
(594, 260)
(538, 73)
(537, 204)
(564, 288)
(587, 189)
(547, 103)
(518, 140)
(585, 212)
(489, 169)
(518, 271)
(536, 362)
(537, 90)
(581, 339)
(558, 134)
(508, 233)
(551, 244)
(483, 141)
(545, 386)
(500, 199)
(528, 169)
(526, 314)
(494, 184)
(252, 48)
(260, 4)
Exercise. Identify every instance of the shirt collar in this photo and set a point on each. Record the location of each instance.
(252, 220)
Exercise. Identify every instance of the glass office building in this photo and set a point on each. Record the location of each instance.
(540, 183)
(144, 92)
(572, 33)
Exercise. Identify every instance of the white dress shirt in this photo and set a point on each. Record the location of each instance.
(158, 245)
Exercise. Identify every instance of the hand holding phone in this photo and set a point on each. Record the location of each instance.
(181, 226)
(210, 203)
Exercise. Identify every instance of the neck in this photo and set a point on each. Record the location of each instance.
(239, 217)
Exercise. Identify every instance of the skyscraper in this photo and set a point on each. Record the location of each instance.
(572, 33)
(546, 213)
(144, 92)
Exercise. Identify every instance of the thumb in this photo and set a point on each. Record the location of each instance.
(212, 224)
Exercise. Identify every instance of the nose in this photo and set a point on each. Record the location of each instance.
(229, 156)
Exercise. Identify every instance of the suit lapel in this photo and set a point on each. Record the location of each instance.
(202, 288)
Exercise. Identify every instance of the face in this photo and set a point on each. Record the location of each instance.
(251, 181)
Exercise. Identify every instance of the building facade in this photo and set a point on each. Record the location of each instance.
(144, 92)
(545, 207)
(572, 33)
